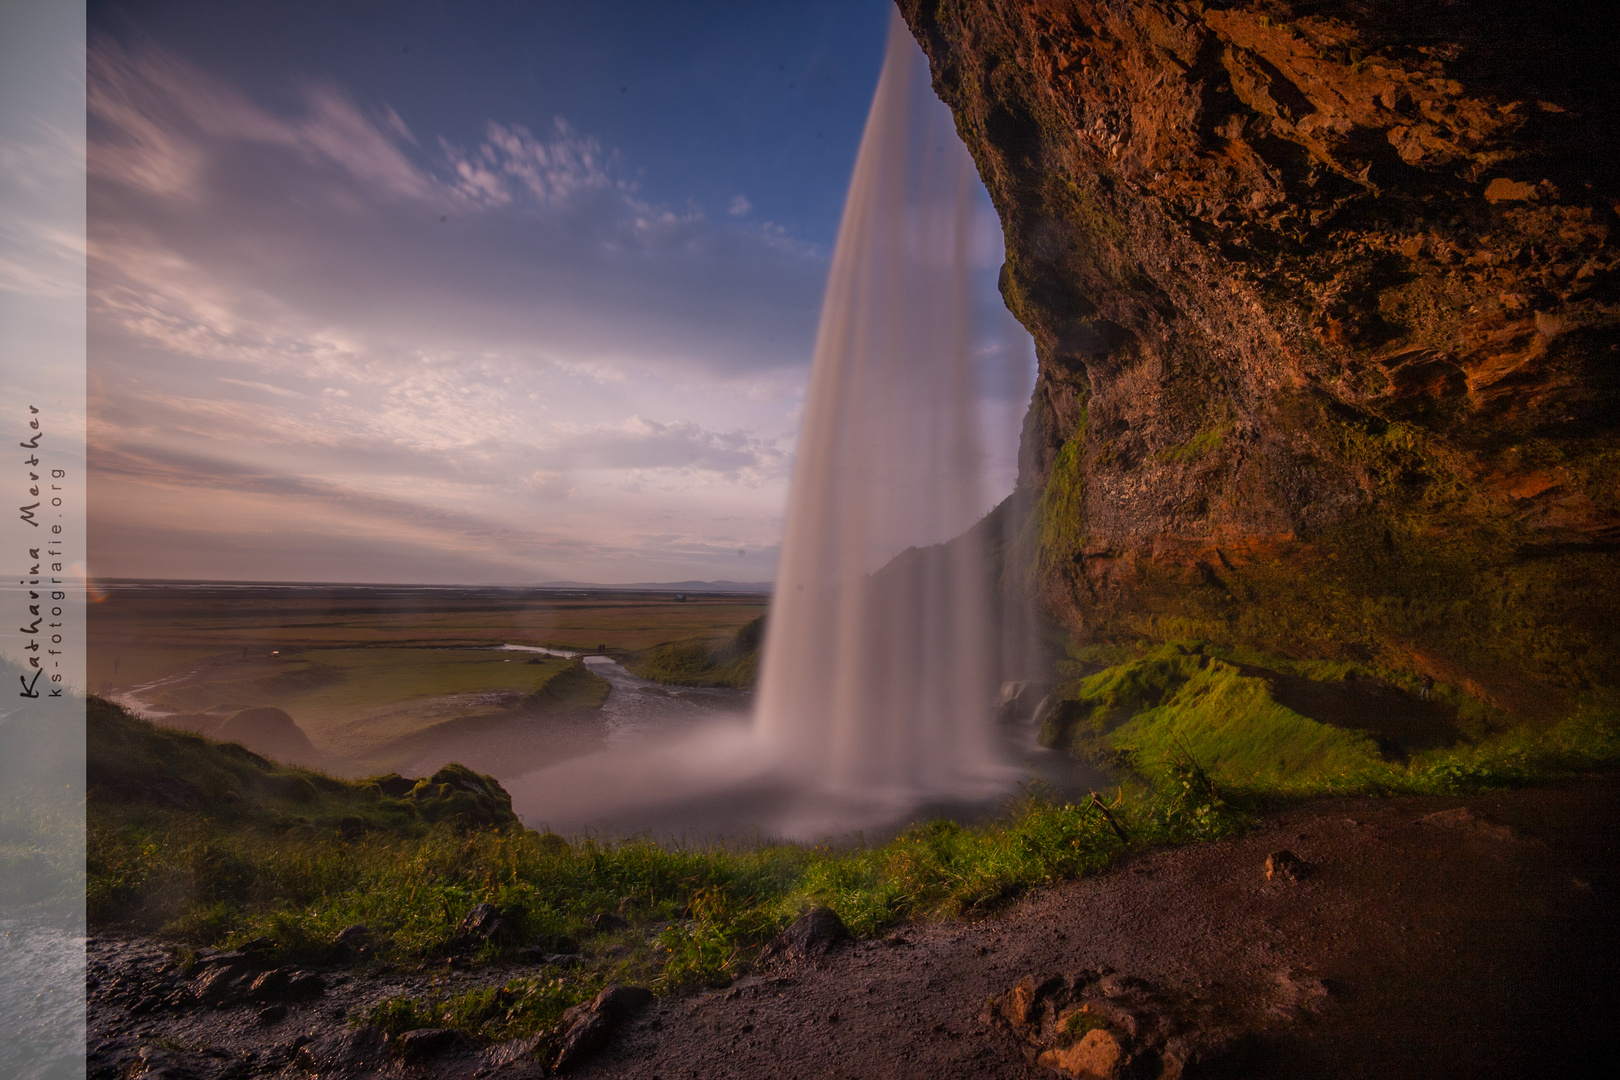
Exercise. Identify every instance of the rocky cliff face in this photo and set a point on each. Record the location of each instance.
(1326, 298)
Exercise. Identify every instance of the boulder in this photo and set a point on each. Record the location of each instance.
(395, 785)
(1020, 700)
(353, 943)
(1099, 1025)
(457, 794)
(1098, 1055)
(588, 1027)
(817, 931)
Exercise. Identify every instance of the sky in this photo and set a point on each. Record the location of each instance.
(490, 293)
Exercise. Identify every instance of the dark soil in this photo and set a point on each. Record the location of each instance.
(1478, 943)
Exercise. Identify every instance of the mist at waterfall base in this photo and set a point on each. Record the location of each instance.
(889, 631)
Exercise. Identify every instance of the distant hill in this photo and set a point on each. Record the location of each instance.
(667, 586)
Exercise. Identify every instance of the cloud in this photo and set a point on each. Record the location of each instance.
(740, 205)
(212, 214)
(279, 391)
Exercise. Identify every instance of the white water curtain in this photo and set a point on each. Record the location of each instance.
(877, 682)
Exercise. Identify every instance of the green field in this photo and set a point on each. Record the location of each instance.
(363, 670)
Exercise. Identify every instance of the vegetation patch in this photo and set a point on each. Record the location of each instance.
(572, 687)
(1264, 725)
(207, 844)
(731, 662)
(1062, 505)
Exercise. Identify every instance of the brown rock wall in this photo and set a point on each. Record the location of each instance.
(1326, 294)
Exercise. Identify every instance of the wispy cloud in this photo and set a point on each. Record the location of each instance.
(324, 319)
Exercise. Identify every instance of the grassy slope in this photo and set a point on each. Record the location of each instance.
(732, 662)
(1219, 710)
(208, 844)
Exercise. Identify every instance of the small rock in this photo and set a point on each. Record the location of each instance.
(426, 1043)
(590, 1025)
(270, 986)
(353, 942)
(818, 930)
(512, 1051)
(1185, 1053)
(353, 936)
(1286, 866)
(218, 986)
(304, 986)
(348, 1053)
(273, 1014)
(483, 921)
(1098, 1055)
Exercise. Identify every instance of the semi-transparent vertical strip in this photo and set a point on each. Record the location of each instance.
(42, 540)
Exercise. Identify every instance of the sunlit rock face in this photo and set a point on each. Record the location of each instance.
(1324, 297)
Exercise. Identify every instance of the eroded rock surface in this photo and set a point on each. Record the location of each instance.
(1324, 295)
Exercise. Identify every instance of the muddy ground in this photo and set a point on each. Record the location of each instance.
(1461, 937)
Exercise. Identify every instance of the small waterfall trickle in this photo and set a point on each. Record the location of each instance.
(878, 673)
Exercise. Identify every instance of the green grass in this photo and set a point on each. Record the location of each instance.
(297, 857)
(1189, 704)
(350, 700)
(571, 686)
(731, 662)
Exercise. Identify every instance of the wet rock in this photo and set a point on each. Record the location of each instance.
(589, 1026)
(1020, 700)
(218, 987)
(483, 921)
(159, 1063)
(513, 1051)
(270, 986)
(482, 924)
(305, 986)
(353, 943)
(424, 1043)
(1286, 866)
(816, 932)
(344, 1053)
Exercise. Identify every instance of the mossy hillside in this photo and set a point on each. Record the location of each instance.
(1196, 705)
(731, 662)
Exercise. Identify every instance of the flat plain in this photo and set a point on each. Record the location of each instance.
(363, 669)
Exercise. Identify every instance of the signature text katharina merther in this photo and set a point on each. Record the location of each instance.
(42, 588)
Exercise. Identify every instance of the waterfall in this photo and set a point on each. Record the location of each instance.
(878, 671)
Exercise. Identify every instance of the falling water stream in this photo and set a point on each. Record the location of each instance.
(886, 641)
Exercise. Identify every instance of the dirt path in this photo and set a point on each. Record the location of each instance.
(1478, 943)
